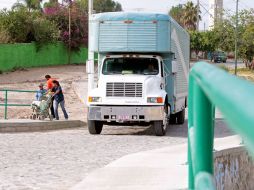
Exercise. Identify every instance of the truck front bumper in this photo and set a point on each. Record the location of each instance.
(126, 113)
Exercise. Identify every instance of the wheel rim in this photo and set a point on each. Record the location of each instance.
(165, 118)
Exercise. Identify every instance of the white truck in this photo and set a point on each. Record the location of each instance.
(143, 66)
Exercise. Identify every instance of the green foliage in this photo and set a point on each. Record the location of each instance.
(186, 15)
(18, 23)
(203, 41)
(78, 35)
(101, 5)
(22, 26)
(4, 36)
(45, 31)
(246, 49)
(225, 34)
(191, 16)
(176, 12)
(29, 4)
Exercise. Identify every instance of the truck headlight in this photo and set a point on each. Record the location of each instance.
(155, 100)
(94, 99)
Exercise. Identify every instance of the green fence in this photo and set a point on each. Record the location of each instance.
(209, 86)
(6, 104)
(13, 56)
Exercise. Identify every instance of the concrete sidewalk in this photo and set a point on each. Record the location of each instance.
(26, 125)
(160, 169)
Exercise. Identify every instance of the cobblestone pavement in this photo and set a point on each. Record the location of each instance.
(58, 160)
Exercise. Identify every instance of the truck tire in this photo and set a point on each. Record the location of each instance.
(159, 129)
(172, 119)
(180, 117)
(94, 127)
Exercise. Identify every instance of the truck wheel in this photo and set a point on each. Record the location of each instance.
(160, 127)
(180, 117)
(172, 119)
(94, 127)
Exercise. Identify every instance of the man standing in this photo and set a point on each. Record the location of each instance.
(49, 88)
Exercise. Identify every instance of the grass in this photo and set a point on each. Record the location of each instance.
(244, 73)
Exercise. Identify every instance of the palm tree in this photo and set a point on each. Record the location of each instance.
(176, 12)
(191, 14)
(29, 4)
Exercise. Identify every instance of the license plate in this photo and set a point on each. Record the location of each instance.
(123, 117)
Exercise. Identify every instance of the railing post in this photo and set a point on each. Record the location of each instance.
(5, 104)
(190, 127)
(203, 120)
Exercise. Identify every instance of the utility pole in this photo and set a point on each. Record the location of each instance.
(236, 36)
(198, 6)
(90, 61)
(69, 40)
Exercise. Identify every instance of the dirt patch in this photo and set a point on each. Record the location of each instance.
(29, 80)
(244, 73)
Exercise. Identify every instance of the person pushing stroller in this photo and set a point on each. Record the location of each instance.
(58, 99)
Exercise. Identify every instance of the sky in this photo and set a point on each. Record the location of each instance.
(163, 6)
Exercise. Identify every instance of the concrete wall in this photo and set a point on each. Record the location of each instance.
(234, 169)
(13, 56)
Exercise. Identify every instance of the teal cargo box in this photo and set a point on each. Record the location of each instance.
(134, 32)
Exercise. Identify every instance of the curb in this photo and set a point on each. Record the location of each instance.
(15, 126)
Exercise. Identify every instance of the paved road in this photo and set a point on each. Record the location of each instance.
(58, 160)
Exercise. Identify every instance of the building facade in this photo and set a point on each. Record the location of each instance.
(215, 12)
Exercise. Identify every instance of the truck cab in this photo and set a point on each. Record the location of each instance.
(134, 87)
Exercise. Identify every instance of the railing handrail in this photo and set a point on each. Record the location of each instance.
(6, 99)
(210, 86)
(11, 90)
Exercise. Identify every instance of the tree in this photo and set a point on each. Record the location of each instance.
(23, 26)
(246, 47)
(196, 41)
(191, 14)
(101, 5)
(176, 12)
(79, 24)
(29, 4)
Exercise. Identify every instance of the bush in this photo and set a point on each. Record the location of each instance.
(4, 36)
(45, 31)
(22, 26)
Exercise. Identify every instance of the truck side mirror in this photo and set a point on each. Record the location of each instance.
(174, 68)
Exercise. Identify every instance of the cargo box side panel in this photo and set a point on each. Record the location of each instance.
(180, 46)
(163, 36)
(112, 36)
(142, 36)
(135, 36)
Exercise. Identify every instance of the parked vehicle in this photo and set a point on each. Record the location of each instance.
(143, 66)
(219, 56)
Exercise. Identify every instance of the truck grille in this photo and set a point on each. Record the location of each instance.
(121, 89)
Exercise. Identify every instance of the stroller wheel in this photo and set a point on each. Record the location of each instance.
(51, 117)
(41, 117)
(34, 117)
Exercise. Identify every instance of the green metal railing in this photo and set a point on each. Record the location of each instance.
(210, 86)
(6, 105)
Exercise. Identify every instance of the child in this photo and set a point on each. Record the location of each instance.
(58, 99)
(40, 92)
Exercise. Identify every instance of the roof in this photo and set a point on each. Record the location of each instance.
(119, 16)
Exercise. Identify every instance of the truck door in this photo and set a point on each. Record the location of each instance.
(169, 76)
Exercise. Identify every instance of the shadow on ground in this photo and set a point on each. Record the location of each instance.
(221, 130)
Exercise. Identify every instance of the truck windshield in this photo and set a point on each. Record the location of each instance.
(139, 66)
